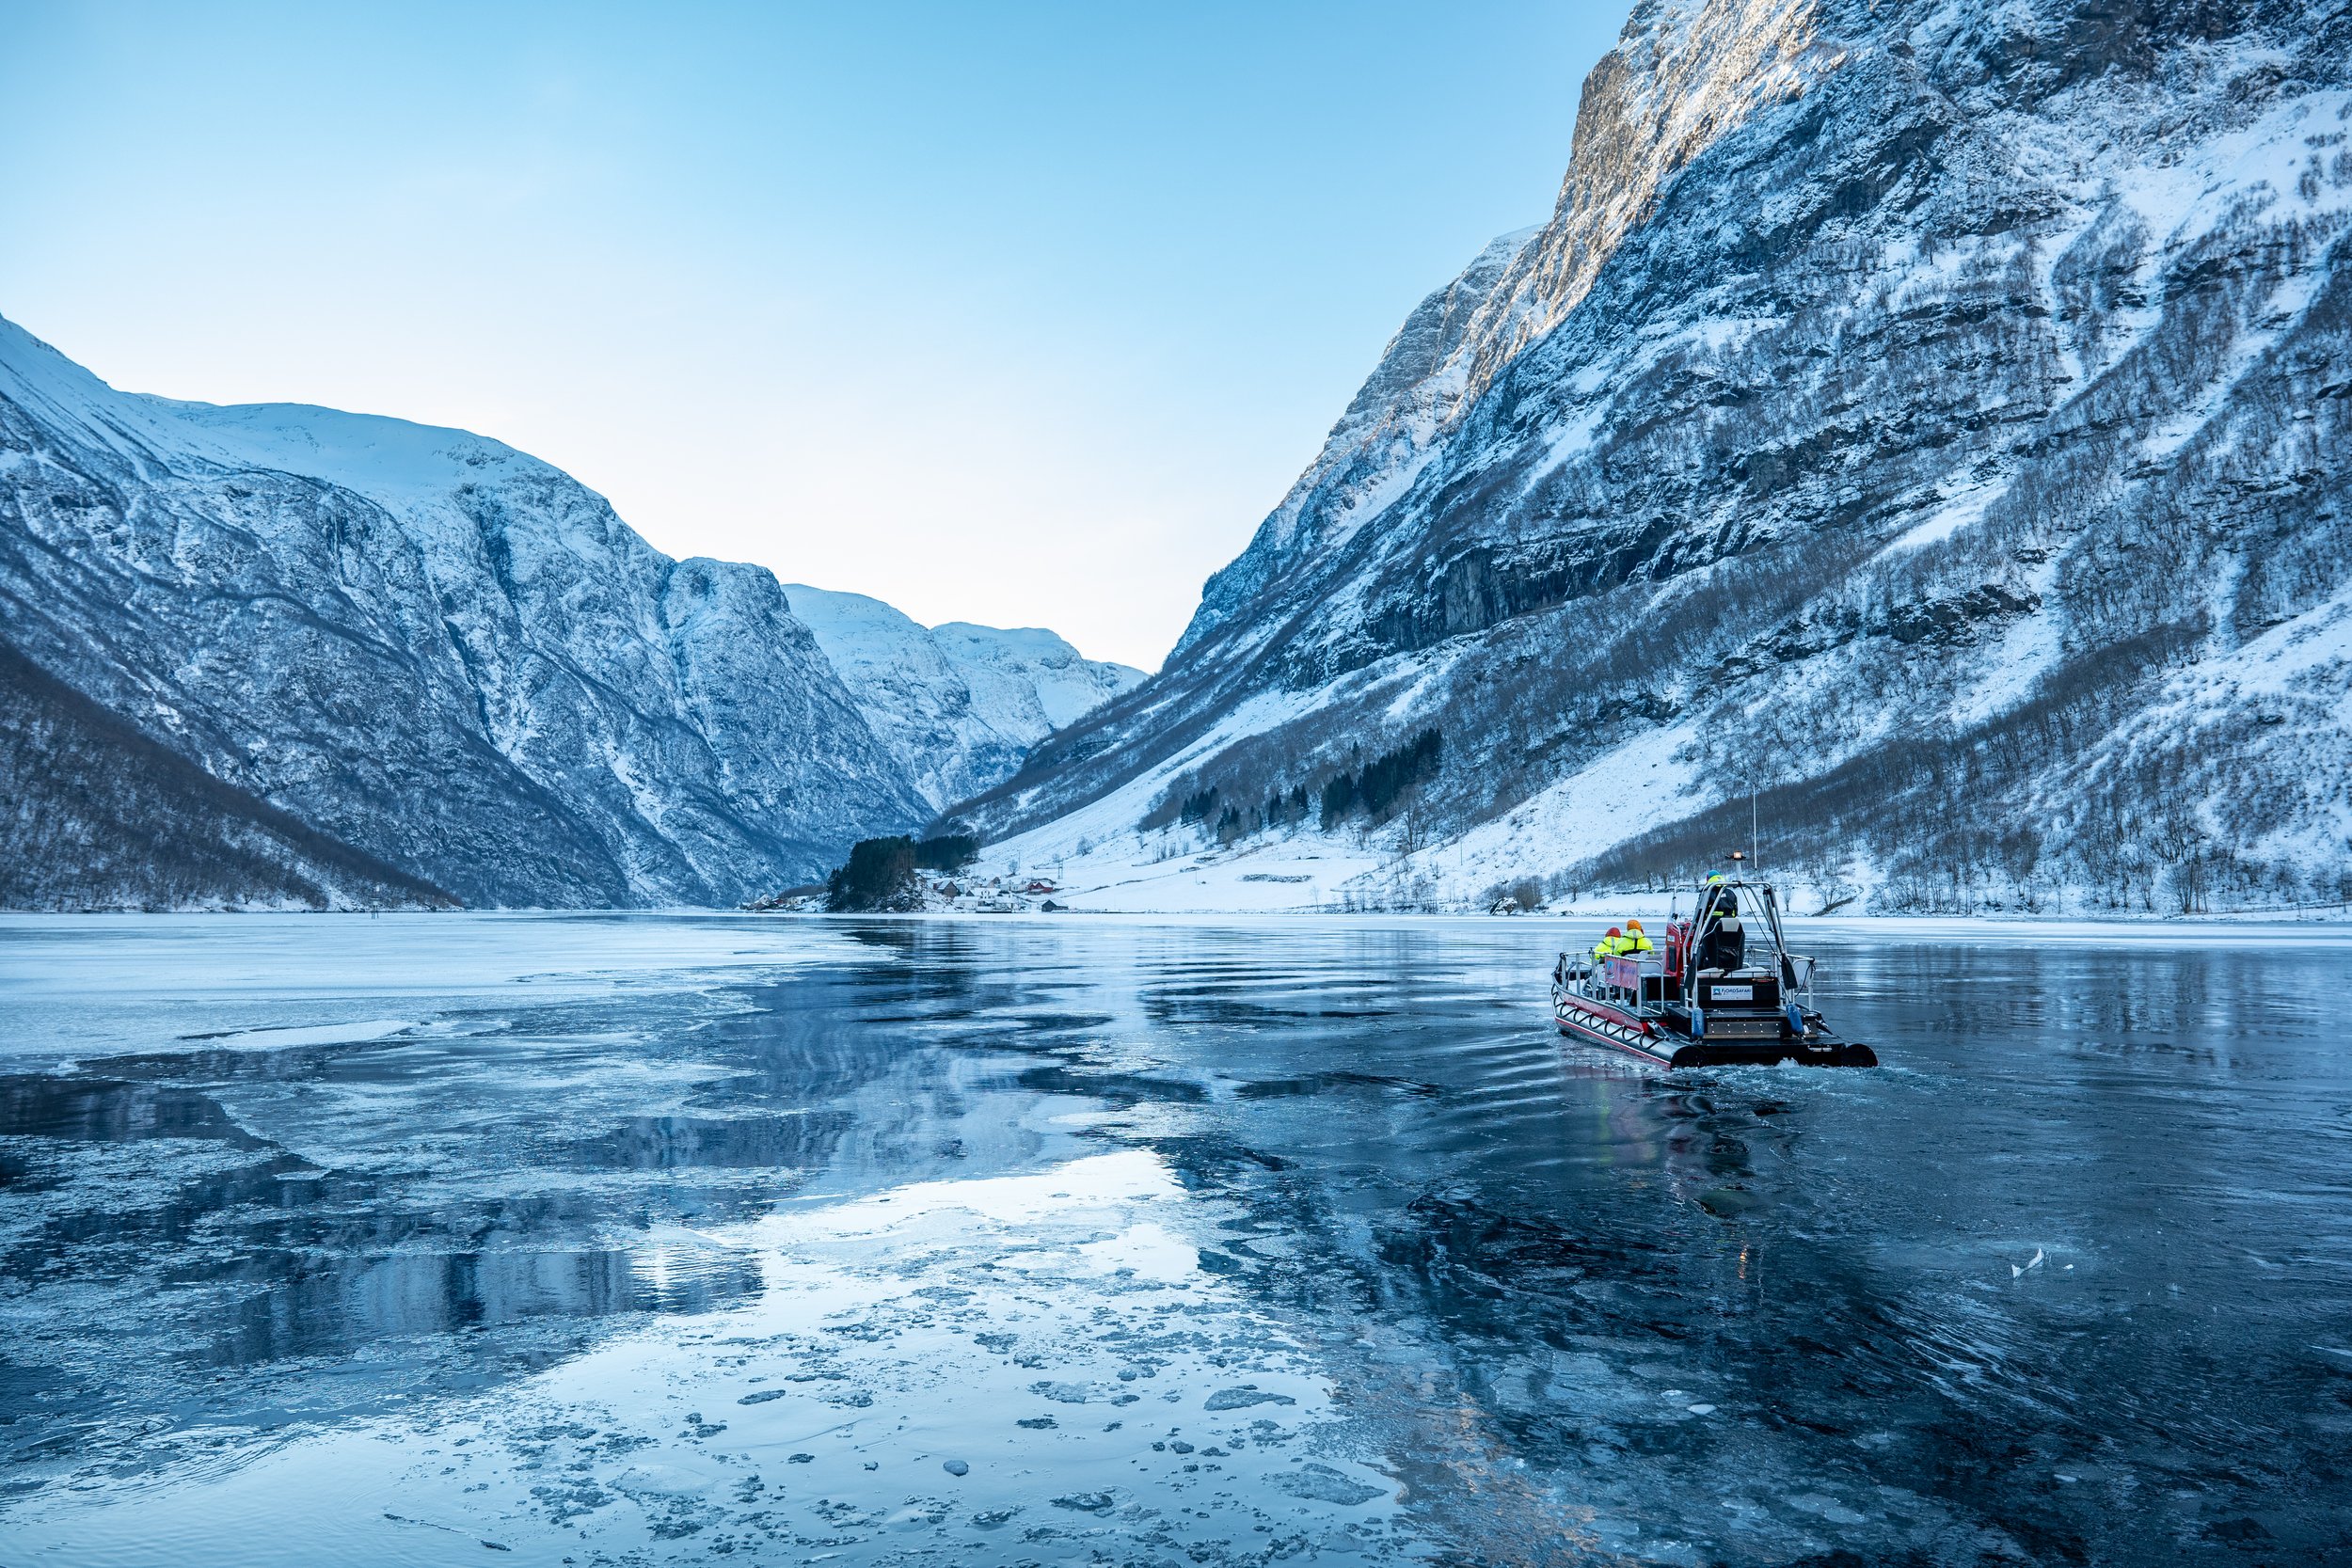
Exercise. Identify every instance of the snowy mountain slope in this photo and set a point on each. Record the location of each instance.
(959, 704)
(426, 645)
(908, 691)
(1028, 680)
(1920, 414)
(99, 817)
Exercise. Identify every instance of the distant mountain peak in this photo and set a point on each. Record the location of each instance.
(962, 703)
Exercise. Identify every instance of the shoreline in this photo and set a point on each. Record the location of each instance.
(2328, 918)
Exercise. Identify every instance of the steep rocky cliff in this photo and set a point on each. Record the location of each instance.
(448, 663)
(1928, 418)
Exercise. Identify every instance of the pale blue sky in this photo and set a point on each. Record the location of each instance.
(1018, 313)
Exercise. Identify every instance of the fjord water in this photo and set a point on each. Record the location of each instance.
(651, 1239)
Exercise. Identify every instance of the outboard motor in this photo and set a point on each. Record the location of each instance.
(1724, 943)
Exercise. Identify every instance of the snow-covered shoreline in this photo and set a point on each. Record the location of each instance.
(2334, 929)
(2330, 922)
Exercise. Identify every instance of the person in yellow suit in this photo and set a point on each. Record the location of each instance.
(1636, 939)
(1606, 946)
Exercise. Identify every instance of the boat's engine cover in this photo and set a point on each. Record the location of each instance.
(1741, 988)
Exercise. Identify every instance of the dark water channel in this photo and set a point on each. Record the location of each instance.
(622, 1239)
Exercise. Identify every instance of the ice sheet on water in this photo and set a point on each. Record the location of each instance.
(296, 1035)
(84, 983)
(894, 1298)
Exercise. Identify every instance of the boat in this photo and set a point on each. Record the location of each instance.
(1705, 996)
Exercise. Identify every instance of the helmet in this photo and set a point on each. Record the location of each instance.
(1614, 931)
(1633, 924)
(1713, 878)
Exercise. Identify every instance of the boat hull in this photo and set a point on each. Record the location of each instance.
(1611, 1030)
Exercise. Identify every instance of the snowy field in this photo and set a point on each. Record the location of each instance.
(1098, 860)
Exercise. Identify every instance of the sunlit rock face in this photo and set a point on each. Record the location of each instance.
(426, 646)
(1919, 414)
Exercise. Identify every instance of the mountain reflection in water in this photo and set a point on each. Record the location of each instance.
(648, 1238)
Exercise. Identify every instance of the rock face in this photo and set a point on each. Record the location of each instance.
(1927, 417)
(960, 705)
(449, 664)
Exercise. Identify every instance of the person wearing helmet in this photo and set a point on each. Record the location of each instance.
(1637, 940)
(1607, 945)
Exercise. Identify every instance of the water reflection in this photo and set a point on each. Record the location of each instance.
(104, 1110)
(794, 1143)
(335, 1306)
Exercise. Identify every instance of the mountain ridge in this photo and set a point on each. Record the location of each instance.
(1954, 392)
(449, 660)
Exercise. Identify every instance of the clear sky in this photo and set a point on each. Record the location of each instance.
(1017, 313)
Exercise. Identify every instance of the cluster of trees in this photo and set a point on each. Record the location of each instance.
(947, 852)
(1375, 789)
(1207, 807)
(880, 874)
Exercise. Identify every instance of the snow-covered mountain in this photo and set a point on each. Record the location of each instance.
(1932, 418)
(959, 704)
(352, 660)
(284, 655)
